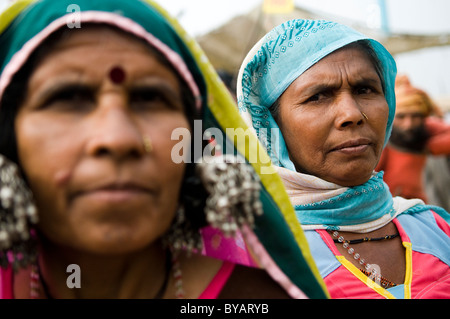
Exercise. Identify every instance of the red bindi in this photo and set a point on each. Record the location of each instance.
(117, 75)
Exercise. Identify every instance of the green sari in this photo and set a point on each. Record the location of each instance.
(277, 241)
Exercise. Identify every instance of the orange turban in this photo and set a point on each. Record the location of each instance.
(411, 99)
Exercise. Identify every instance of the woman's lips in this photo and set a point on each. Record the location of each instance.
(114, 193)
(354, 150)
(353, 147)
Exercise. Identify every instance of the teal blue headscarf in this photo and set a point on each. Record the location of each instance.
(282, 56)
(270, 67)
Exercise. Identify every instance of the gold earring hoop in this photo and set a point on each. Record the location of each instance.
(148, 146)
(365, 116)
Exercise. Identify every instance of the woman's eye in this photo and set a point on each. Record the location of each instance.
(70, 97)
(142, 96)
(364, 90)
(315, 98)
(150, 98)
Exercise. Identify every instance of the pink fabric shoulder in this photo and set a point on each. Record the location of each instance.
(6, 283)
(442, 224)
(211, 292)
(233, 249)
(218, 282)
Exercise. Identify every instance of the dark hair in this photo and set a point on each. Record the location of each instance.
(365, 46)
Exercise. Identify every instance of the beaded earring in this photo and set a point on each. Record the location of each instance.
(232, 188)
(182, 234)
(17, 214)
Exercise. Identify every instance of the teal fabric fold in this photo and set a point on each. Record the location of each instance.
(360, 204)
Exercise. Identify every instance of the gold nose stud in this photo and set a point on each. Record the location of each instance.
(148, 146)
(365, 116)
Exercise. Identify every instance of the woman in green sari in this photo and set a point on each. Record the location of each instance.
(99, 100)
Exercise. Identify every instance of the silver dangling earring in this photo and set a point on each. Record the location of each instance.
(234, 189)
(182, 234)
(232, 202)
(17, 214)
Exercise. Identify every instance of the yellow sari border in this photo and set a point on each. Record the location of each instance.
(228, 117)
(369, 282)
(373, 285)
(12, 12)
(408, 271)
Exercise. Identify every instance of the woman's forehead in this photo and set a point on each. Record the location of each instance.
(97, 36)
(97, 48)
(352, 62)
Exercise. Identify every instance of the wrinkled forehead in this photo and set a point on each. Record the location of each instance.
(355, 59)
(288, 51)
(98, 44)
(92, 34)
(125, 26)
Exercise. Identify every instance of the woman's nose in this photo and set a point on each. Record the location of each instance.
(348, 111)
(115, 131)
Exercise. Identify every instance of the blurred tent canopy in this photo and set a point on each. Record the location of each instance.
(227, 45)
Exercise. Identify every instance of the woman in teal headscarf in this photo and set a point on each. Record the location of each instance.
(320, 97)
(99, 100)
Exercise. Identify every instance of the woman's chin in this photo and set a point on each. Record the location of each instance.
(351, 178)
(114, 241)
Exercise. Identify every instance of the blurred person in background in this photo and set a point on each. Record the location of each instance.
(437, 181)
(418, 131)
(437, 177)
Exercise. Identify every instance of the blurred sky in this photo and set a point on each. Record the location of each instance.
(410, 16)
(427, 68)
